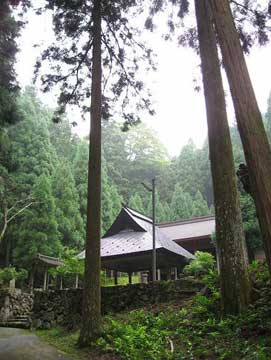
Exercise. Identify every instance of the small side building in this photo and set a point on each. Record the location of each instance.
(194, 234)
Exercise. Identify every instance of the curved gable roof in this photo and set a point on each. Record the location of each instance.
(131, 233)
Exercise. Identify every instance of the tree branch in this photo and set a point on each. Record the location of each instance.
(20, 211)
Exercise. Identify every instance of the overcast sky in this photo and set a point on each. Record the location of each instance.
(180, 111)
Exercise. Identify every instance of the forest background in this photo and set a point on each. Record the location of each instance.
(46, 163)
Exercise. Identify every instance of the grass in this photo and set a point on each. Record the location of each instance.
(67, 343)
(122, 280)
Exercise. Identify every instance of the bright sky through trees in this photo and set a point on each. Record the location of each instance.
(180, 111)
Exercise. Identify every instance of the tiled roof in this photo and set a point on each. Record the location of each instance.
(188, 229)
(48, 260)
(129, 241)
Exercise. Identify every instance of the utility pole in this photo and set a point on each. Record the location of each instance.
(153, 233)
(154, 266)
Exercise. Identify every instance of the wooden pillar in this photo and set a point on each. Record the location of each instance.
(76, 281)
(168, 274)
(158, 274)
(150, 275)
(175, 273)
(115, 277)
(45, 279)
(130, 277)
(31, 278)
(61, 283)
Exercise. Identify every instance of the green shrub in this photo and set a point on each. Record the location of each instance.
(136, 340)
(203, 263)
(259, 272)
(9, 273)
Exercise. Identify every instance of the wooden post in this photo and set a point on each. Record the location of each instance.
(45, 279)
(31, 279)
(168, 274)
(175, 273)
(158, 274)
(154, 262)
(76, 281)
(48, 280)
(61, 283)
(130, 277)
(115, 277)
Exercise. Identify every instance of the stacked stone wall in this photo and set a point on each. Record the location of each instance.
(14, 303)
(63, 307)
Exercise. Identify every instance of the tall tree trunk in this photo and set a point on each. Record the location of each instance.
(91, 312)
(249, 119)
(235, 287)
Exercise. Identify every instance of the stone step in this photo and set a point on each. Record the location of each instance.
(21, 317)
(15, 324)
(18, 320)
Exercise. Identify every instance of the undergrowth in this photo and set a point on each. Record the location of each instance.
(195, 331)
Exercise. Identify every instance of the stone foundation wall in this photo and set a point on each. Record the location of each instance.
(14, 303)
(63, 307)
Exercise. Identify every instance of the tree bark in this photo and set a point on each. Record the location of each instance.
(235, 286)
(249, 119)
(91, 312)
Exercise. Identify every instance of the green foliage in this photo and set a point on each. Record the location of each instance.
(38, 233)
(123, 279)
(68, 217)
(9, 89)
(200, 205)
(259, 273)
(123, 53)
(200, 266)
(111, 200)
(194, 329)
(35, 147)
(71, 264)
(133, 341)
(160, 210)
(181, 204)
(10, 273)
(136, 203)
(189, 172)
(250, 221)
(80, 174)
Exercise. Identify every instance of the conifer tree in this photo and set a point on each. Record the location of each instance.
(31, 146)
(235, 286)
(136, 203)
(68, 217)
(249, 119)
(38, 233)
(200, 205)
(159, 209)
(9, 89)
(111, 201)
(81, 22)
(182, 206)
(80, 174)
(188, 168)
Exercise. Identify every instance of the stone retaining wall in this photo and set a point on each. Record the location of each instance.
(63, 307)
(14, 303)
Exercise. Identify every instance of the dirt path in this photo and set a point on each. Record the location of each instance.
(17, 344)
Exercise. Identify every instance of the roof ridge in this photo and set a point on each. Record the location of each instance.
(187, 221)
(137, 214)
(39, 255)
